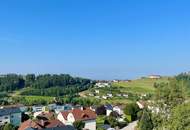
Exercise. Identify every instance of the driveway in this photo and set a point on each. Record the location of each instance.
(131, 126)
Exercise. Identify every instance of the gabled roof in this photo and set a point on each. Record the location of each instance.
(29, 124)
(8, 111)
(80, 115)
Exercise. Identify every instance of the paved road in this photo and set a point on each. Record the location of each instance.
(131, 126)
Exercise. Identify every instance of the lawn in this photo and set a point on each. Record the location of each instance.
(36, 98)
(100, 120)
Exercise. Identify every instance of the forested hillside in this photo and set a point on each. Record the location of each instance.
(51, 85)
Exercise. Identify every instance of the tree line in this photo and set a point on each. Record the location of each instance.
(45, 85)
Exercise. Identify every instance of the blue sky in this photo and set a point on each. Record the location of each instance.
(99, 39)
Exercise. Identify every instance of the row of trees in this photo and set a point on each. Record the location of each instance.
(41, 101)
(172, 101)
(48, 85)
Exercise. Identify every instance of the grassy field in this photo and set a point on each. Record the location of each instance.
(36, 98)
(139, 85)
(100, 120)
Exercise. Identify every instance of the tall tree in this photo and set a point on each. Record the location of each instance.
(132, 109)
(180, 118)
(145, 122)
(79, 125)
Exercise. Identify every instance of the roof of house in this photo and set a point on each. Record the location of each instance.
(8, 111)
(67, 127)
(40, 124)
(109, 107)
(79, 114)
(47, 115)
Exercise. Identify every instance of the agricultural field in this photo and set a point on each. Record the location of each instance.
(134, 89)
(139, 86)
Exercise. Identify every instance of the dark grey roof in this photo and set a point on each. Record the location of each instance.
(8, 111)
(30, 129)
(108, 107)
(67, 127)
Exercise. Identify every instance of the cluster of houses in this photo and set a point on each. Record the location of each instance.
(106, 96)
(53, 117)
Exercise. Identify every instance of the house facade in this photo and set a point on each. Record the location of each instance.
(10, 115)
(87, 116)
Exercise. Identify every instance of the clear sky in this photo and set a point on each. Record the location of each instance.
(99, 39)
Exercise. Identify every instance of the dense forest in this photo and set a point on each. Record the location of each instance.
(51, 85)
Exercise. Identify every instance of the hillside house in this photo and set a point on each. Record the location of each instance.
(87, 116)
(104, 97)
(154, 76)
(10, 115)
(109, 109)
(141, 104)
(97, 91)
(102, 85)
(125, 95)
(119, 95)
(110, 95)
(118, 110)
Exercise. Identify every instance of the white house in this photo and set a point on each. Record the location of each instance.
(115, 81)
(102, 85)
(154, 76)
(61, 108)
(52, 106)
(97, 91)
(109, 109)
(125, 95)
(91, 94)
(110, 95)
(10, 115)
(140, 104)
(87, 116)
(118, 110)
(37, 108)
(119, 95)
(104, 97)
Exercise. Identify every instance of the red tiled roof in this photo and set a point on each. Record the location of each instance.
(40, 124)
(79, 114)
(29, 124)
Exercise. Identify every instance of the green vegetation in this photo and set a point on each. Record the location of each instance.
(134, 89)
(145, 122)
(44, 85)
(79, 125)
(100, 120)
(8, 127)
(171, 100)
(131, 110)
(180, 118)
(144, 85)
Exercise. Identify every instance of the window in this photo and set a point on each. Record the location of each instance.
(6, 117)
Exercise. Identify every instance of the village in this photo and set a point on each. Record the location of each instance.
(61, 117)
(55, 116)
